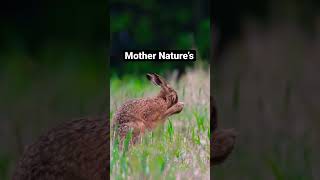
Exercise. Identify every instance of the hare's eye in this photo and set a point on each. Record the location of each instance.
(174, 98)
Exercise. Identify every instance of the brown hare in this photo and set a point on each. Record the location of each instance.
(222, 142)
(144, 114)
(76, 150)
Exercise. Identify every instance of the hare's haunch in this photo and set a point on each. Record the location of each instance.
(222, 142)
(76, 150)
(146, 113)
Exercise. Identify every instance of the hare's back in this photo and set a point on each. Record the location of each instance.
(139, 109)
(75, 150)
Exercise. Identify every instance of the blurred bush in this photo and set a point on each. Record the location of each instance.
(157, 25)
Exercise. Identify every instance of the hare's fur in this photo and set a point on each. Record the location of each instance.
(222, 142)
(76, 150)
(147, 113)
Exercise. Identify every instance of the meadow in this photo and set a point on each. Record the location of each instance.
(180, 148)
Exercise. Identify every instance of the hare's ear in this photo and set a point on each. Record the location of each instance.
(163, 82)
(154, 78)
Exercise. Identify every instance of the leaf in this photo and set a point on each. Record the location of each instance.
(276, 170)
(170, 130)
(127, 141)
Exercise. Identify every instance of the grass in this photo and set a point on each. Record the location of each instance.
(177, 149)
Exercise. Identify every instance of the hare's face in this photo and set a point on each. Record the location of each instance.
(167, 92)
(171, 96)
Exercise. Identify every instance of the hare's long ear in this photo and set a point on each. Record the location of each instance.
(156, 79)
(163, 82)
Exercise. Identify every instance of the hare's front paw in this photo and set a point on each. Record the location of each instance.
(180, 106)
(177, 108)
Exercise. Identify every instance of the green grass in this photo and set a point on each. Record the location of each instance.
(178, 148)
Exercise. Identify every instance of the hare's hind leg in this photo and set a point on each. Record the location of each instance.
(177, 108)
(137, 128)
(222, 145)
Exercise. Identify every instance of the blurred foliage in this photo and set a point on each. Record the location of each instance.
(38, 27)
(53, 68)
(159, 25)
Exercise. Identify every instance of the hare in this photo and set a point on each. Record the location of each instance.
(76, 150)
(222, 142)
(147, 113)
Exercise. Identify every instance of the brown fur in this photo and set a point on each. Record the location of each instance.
(222, 142)
(76, 150)
(147, 113)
